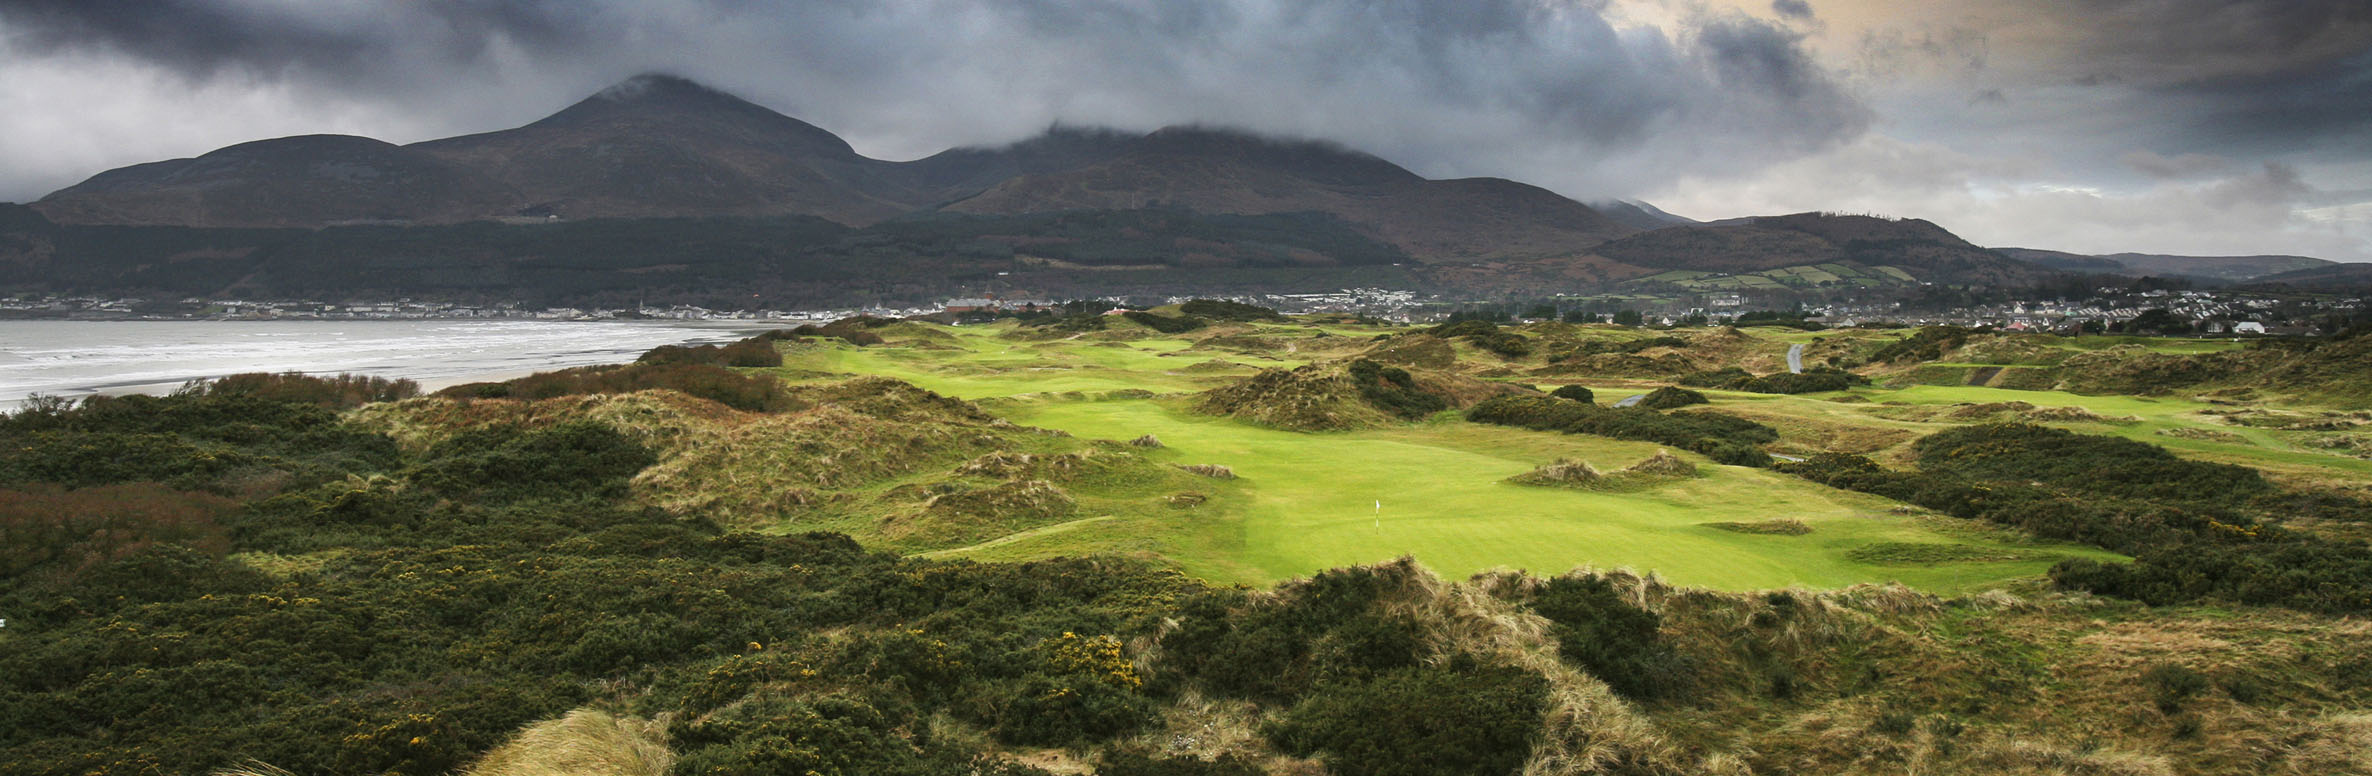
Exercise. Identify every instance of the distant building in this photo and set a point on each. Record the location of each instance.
(2248, 327)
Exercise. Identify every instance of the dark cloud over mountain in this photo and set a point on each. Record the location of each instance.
(1496, 87)
(1718, 107)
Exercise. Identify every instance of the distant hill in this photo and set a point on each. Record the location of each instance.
(1922, 250)
(659, 185)
(1229, 172)
(1639, 215)
(658, 146)
(2328, 275)
(2232, 268)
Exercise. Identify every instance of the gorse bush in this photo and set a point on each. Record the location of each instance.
(1506, 343)
(1671, 397)
(1574, 392)
(2196, 530)
(1222, 310)
(1462, 719)
(749, 393)
(1277, 650)
(71, 531)
(1166, 324)
(1617, 642)
(2098, 464)
(566, 461)
(1929, 343)
(229, 445)
(1726, 439)
(336, 392)
(1393, 390)
(753, 352)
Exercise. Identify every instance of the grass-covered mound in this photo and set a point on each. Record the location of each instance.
(714, 382)
(827, 458)
(1343, 395)
(2197, 529)
(1418, 350)
(1817, 380)
(1566, 473)
(1724, 438)
(2336, 371)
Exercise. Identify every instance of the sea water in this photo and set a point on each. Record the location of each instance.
(79, 358)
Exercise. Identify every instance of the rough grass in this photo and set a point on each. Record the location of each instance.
(1914, 553)
(583, 743)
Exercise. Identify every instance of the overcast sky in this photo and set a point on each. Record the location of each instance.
(2162, 126)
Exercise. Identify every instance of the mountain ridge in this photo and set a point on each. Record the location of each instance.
(2219, 268)
(660, 146)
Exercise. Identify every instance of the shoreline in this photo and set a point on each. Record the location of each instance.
(73, 359)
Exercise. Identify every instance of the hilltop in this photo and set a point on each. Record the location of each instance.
(2223, 268)
(659, 146)
(663, 186)
(1920, 249)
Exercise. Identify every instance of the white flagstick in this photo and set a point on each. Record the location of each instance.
(1379, 515)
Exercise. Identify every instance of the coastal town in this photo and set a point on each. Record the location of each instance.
(2212, 312)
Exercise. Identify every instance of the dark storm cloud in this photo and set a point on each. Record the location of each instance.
(1792, 9)
(203, 37)
(1550, 91)
(2325, 108)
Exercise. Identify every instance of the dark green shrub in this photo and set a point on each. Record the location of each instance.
(1574, 392)
(343, 391)
(751, 393)
(767, 736)
(1166, 324)
(1731, 453)
(1927, 344)
(1807, 382)
(1726, 377)
(71, 530)
(1452, 720)
(1671, 397)
(1393, 390)
(1067, 709)
(1275, 650)
(563, 462)
(1506, 343)
(1127, 762)
(1619, 643)
(1729, 439)
(756, 351)
(2018, 452)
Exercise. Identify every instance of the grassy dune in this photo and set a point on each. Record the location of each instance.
(1306, 502)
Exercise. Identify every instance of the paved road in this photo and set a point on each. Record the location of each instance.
(1795, 359)
(1632, 401)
